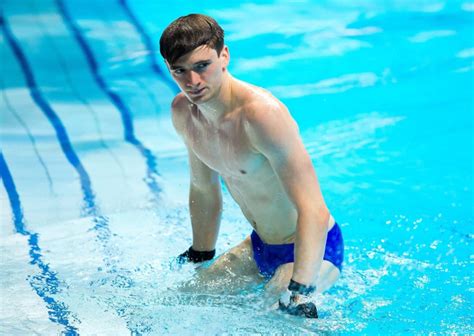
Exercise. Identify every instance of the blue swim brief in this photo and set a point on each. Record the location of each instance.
(269, 257)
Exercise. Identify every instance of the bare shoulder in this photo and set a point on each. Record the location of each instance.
(179, 110)
(265, 115)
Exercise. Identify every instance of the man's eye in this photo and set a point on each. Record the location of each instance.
(201, 66)
(178, 71)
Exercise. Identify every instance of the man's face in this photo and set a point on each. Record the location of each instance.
(199, 73)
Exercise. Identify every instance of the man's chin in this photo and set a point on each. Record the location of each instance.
(198, 99)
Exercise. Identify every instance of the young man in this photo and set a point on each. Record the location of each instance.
(243, 134)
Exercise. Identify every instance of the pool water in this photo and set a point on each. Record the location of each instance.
(95, 180)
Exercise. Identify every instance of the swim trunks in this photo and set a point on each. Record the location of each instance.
(269, 257)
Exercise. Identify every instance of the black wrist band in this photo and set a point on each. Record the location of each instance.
(300, 288)
(200, 255)
(196, 256)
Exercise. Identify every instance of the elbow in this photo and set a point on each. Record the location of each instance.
(205, 188)
(208, 193)
(320, 216)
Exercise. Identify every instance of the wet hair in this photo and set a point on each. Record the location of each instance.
(186, 33)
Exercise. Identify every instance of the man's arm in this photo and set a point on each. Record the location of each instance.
(205, 204)
(205, 199)
(274, 133)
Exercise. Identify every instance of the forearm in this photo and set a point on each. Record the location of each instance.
(310, 242)
(205, 210)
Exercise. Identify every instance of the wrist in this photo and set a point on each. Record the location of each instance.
(198, 256)
(299, 288)
(201, 248)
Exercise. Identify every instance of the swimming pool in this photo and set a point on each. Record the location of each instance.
(94, 179)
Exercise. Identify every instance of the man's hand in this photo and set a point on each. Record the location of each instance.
(296, 300)
(191, 255)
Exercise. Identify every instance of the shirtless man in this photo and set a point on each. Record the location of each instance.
(246, 136)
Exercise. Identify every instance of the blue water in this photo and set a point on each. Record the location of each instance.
(94, 179)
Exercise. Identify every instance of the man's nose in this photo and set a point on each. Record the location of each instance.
(193, 79)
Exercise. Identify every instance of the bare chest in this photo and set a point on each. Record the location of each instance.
(225, 149)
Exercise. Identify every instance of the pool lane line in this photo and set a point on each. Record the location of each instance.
(61, 133)
(100, 227)
(104, 18)
(46, 284)
(127, 120)
(73, 88)
(89, 206)
(149, 46)
(20, 120)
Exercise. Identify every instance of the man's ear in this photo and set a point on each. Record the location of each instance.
(225, 55)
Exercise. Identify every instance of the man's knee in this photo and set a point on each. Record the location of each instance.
(237, 257)
(284, 271)
(328, 275)
(280, 280)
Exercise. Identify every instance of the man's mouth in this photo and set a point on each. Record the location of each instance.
(196, 92)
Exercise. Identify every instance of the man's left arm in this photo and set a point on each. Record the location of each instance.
(274, 133)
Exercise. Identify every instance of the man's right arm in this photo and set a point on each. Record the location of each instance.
(205, 204)
(205, 198)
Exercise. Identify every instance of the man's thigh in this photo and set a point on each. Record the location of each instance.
(238, 261)
(234, 270)
(328, 275)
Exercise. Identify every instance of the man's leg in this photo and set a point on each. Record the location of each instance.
(231, 272)
(328, 274)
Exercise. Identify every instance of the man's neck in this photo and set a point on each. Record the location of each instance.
(217, 107)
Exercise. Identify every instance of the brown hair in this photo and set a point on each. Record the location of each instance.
(186, 33)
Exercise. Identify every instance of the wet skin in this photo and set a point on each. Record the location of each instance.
(245, 135)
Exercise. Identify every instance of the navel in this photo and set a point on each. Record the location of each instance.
(243, 171)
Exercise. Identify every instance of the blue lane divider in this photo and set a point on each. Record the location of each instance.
(149, 45)
(72, 85)
(127, 121)
(61, 134)
(45, 284)
(30, 135)
(115, 36)
(89, 208)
